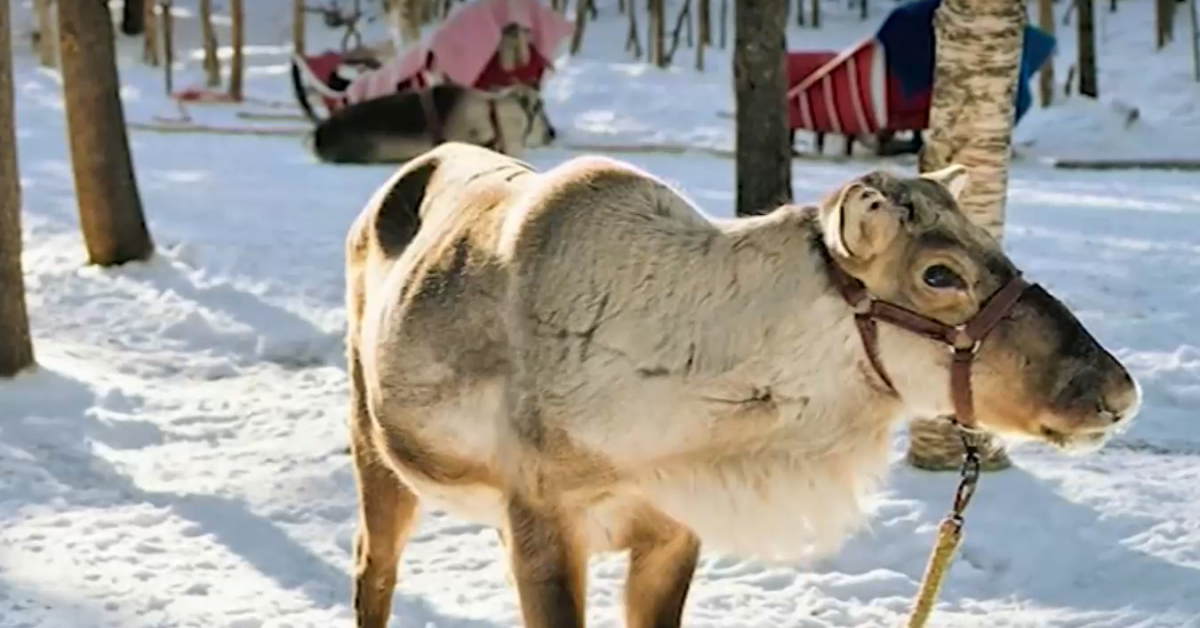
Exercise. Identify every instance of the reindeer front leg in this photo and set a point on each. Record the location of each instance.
(549, 563)
(662, 561)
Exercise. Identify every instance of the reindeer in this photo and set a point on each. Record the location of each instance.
(585, 361)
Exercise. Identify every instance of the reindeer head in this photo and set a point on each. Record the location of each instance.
(538, 131)
(513, 49)
(1038, 375)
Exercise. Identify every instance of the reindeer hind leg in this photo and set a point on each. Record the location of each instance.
(387, 510)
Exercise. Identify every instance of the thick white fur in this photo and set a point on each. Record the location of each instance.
(644, 331)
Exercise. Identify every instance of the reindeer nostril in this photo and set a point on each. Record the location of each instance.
(1107, 414)
(1120, 402)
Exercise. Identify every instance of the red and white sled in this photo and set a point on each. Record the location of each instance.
(462, 50)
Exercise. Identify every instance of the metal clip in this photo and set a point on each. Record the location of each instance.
(969, 473)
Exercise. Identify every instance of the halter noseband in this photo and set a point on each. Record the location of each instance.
(964, 339)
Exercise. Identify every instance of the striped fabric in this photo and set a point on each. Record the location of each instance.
(845, 96)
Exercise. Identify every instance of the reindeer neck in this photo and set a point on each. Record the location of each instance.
(773, 264)
(793, 328)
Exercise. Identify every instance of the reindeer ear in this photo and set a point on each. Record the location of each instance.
(859, 222)
(953, 177)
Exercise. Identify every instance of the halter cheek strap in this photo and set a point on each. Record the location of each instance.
(964, 340)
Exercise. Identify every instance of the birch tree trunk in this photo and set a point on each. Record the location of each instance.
(45, 44)
(16, 348)
(764, 154)
(110, 208)
(970, 123)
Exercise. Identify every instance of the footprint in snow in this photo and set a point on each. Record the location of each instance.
(982, 561)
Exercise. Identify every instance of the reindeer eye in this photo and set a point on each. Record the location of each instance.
(940, 277)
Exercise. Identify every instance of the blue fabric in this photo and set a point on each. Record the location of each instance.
(907, 38)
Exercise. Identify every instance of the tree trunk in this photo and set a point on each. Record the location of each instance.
(1195, 22)
(168, 41)
(1087, 48)
(723, 22)
(298, 24)
(633, 41)
(45, 38)
(764, 155)
(683, 18)
(581, 13)
(970, 123)
(237, 40)
(404, 24)
(212, 64)
(16, 348)
(656, 37)
(429, 11)
(133, 17)
(150, 36)
(110, 209)
(1164, 22)
(1046, 73)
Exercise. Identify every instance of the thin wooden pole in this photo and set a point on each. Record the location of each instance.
(1046, 73)
(168, 25)
(1195, 39)
(237, 37)
(298, 43)
(150, 37)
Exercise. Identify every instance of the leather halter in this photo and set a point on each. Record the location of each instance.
(436, 134)
(964, 340)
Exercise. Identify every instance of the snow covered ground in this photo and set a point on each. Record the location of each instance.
(176, 461)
